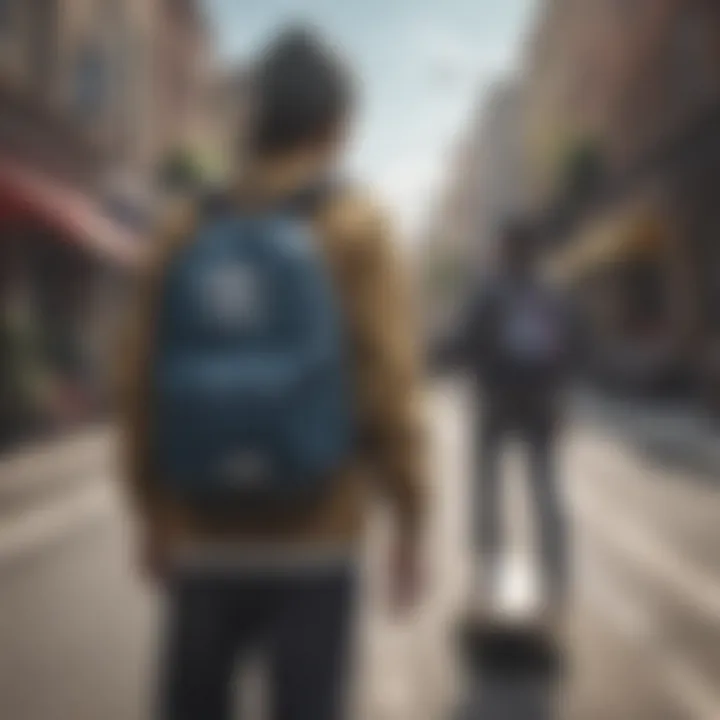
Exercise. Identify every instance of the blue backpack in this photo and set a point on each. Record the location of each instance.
(252, 398)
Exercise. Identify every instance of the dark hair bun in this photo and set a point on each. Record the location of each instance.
(301, 89)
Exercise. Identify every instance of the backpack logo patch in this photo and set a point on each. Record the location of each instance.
(233, 296)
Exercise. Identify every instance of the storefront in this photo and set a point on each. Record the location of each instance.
(62, 263)
(622, 271)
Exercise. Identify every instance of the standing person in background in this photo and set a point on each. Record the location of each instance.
(281, 577)
(519, 343)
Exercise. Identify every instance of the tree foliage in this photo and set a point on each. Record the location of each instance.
(181, 170)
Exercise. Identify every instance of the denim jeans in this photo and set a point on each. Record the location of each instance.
(302, 619)
(539, 435)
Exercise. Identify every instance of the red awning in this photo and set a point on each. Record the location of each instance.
(24, 193)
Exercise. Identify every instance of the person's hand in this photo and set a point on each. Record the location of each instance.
(407, 579)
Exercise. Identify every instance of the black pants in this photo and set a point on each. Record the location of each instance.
(538, 432)
(302, 620)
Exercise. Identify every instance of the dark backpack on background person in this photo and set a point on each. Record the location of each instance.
(522, 336)
(252, 399)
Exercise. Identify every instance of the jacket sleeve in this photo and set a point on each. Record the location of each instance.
(389, 365)
(134, 371)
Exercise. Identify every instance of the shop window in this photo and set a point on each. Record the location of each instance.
(50, 377)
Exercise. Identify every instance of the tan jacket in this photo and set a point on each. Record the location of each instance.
(375, 299)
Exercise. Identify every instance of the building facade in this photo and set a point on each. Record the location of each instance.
(628, 78)
(81, 107)
(184, 78)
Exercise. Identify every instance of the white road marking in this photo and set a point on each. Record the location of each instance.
(52, 522)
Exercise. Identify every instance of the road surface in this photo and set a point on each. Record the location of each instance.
(78, 630)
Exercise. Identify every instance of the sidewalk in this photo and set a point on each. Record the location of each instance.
(44, 471)
(674, 434)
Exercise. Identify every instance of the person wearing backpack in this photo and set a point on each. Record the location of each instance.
(272, 383)
(518, 339)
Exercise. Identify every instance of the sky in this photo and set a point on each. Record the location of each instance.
(424, 65)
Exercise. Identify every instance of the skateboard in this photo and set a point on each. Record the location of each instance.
(513, 659)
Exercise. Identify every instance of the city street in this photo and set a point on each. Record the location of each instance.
(78, 630)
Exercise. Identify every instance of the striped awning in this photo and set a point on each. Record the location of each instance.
(25, 193)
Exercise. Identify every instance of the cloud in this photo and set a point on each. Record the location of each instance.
(453, 53)
(463, 64)
(408, 185)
